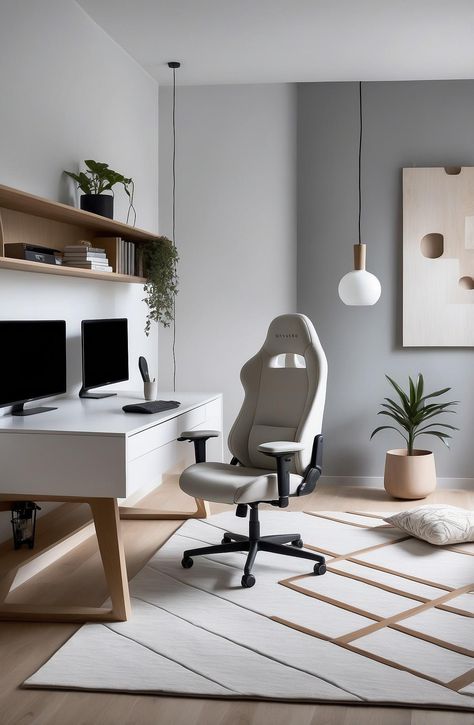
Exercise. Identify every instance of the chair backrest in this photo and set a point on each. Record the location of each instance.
(285, 392)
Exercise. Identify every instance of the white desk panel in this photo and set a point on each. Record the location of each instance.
(105, 415)
(92, 448)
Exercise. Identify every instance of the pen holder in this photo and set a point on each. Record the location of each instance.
(150, 390)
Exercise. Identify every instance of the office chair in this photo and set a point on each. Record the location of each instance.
(275, 441)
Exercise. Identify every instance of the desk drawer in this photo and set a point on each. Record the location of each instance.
(163, 433)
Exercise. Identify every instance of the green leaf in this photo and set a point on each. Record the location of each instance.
(438, 434)
(436, 394)
(438, 425)
(406, 425)
(420, 386)
(386, 427)
(412, 392)
(395, 405)
(96, 167)
(395, 411)
(402, 395)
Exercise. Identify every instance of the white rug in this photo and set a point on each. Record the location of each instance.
(389, 623)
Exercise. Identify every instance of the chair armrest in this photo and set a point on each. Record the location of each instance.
(283, 451)
(199, 438)
(280, 448)
(314, 470)
(193, 435)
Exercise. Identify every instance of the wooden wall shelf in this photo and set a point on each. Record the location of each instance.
(31, 219)
(22, 265)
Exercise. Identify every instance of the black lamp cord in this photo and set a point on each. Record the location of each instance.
(173, 223)
(360, 155)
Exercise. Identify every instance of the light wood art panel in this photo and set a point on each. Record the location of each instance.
(438, 257)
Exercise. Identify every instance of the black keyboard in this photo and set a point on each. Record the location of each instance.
(151, 406)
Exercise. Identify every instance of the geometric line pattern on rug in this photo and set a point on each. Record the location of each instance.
(380, 622)
(197, 632)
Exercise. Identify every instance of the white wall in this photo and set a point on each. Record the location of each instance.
(69, 92)
(235, 228)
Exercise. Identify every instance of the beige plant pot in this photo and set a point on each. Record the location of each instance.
(407, 476)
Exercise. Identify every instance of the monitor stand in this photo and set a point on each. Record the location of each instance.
(84, 393)
(18, 409)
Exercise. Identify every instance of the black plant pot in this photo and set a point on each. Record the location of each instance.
(102, 204)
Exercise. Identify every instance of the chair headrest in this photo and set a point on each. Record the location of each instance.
(291, 333)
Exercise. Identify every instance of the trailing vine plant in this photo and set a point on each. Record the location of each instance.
(160, 260)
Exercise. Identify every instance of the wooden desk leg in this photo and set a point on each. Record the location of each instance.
(107, 526)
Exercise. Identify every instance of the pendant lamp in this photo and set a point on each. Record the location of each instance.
(359, 287)
(174, 65)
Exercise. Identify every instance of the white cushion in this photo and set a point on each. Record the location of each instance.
(223, 483)
(438, 524)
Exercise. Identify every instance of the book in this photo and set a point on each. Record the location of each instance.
(93, 269)
(91, 255)
(112, 247)
(139, 266)
(88, 265)
(123, 256)
(82, 249)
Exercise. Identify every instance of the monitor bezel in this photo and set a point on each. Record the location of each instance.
(111, 382)
(48, 395)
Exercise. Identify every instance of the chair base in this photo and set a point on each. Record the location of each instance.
(276, 544)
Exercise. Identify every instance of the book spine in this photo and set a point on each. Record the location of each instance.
(93, 255)
(80, 249)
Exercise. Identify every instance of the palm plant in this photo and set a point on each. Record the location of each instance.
(414, 411)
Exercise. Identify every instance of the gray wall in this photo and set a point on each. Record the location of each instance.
(235, 228)
(409, 123)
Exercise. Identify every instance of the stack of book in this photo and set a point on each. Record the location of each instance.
(80, 255)
(125, 257)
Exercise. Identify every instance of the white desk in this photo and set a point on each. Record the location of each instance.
(91, 451)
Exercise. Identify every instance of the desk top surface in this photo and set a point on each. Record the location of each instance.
(104, 415)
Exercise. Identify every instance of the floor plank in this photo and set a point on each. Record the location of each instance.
(78, 578)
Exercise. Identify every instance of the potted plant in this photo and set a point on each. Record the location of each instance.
(159, 258)
(97, 180)
(410, 472)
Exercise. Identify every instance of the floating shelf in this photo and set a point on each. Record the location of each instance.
(31, 219)
(23, 265)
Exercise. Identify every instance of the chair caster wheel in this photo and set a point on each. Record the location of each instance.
(248, 580)
(319, 569)
(298, 543)
(187, 562)
(226, 540)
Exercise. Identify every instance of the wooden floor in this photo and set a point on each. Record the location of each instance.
(77, 578)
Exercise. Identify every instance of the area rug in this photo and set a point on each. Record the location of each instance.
(389, 623)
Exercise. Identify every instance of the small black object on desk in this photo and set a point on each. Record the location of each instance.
(152, 406)
(143, 367)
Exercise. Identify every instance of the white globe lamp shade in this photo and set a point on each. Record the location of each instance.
(359, 287)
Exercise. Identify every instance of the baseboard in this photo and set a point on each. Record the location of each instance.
(465, 484)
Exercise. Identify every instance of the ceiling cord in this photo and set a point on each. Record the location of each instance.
(360, 155)
(174, 65)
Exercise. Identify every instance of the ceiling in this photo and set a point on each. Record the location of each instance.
(275, 41)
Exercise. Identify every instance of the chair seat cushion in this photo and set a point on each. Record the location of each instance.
(224, 483)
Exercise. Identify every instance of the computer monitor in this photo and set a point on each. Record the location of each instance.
(32, 362)
(104, 355)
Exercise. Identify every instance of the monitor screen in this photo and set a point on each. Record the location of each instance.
(104, 352)
(32, 360)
